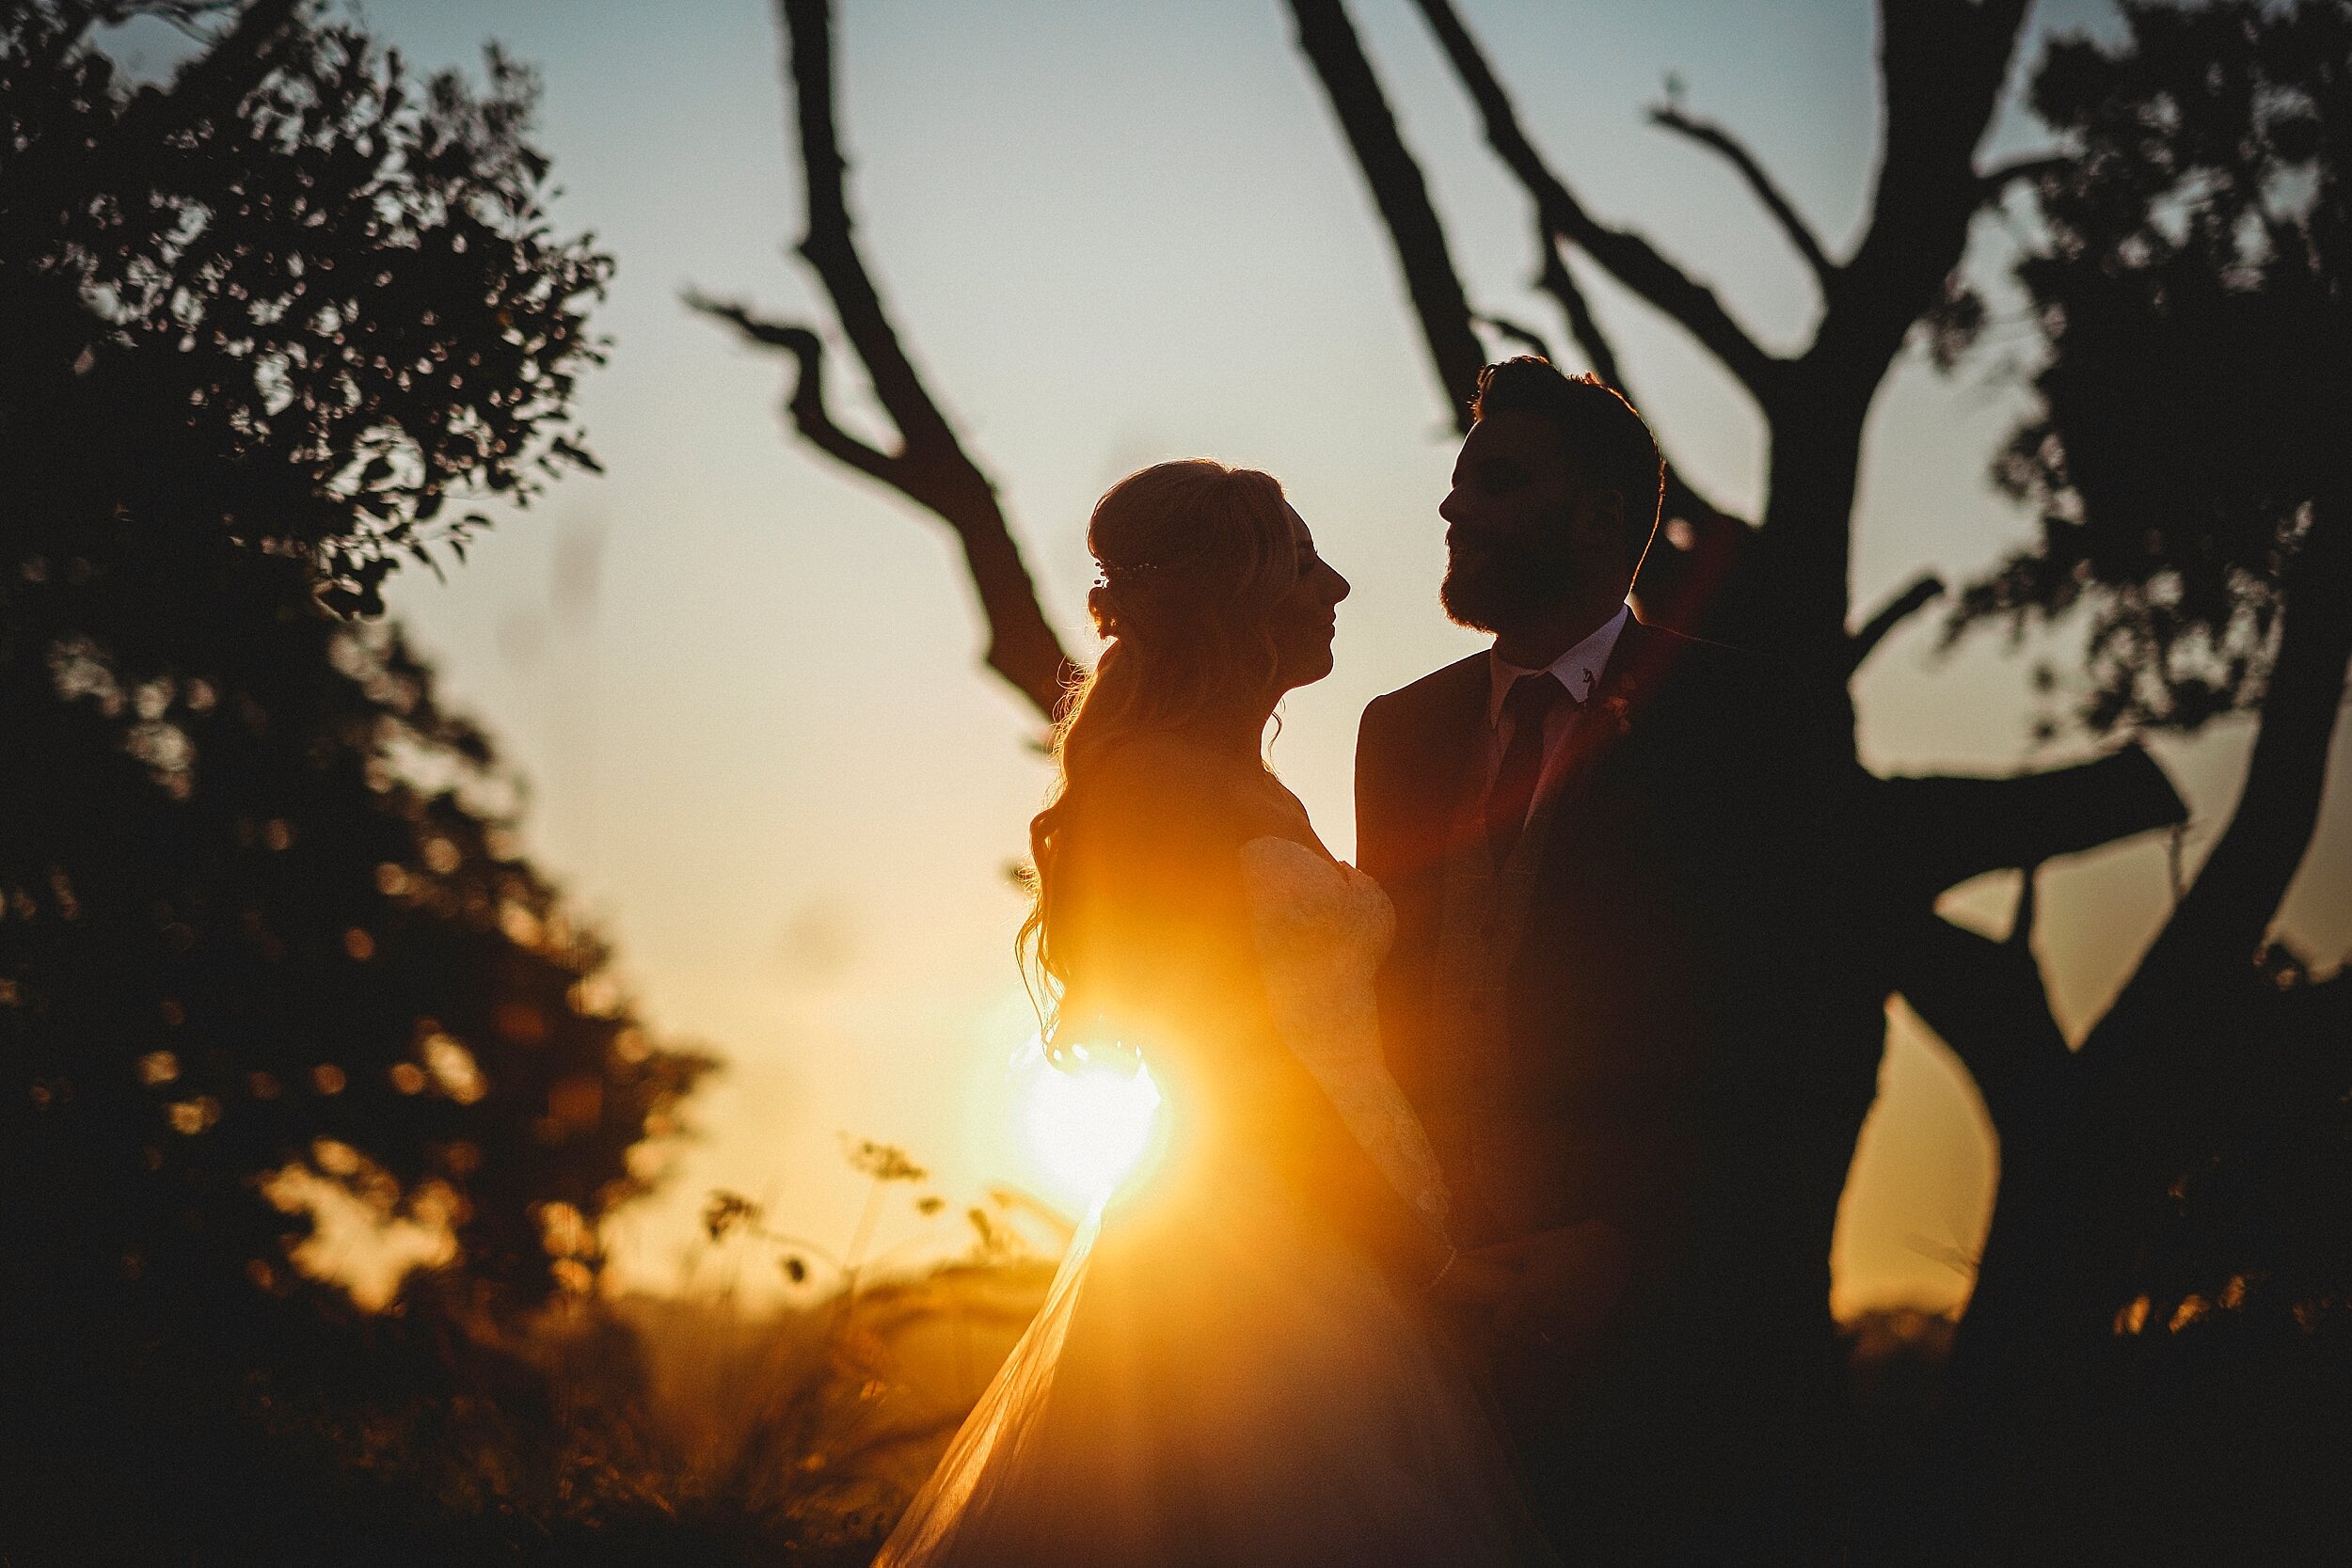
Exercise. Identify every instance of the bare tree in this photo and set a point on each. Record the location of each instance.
(1947, 829)
(1782, 583)
(930, 467)
(1941, 64)
(2082, 1131)
(2218, 539)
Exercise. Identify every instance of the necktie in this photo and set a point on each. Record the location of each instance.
(1527, 705)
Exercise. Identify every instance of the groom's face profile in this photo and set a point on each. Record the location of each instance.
(1525, 534)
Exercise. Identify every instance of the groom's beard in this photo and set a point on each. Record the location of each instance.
(1503, 587)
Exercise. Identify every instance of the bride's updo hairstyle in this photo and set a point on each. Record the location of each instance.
(1193, 557)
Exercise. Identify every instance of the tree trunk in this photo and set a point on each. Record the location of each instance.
(2092, 1141)
(1790, 597)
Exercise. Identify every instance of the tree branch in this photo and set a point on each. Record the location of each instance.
(1799, 233)
(1526, 336)
(1924, 589)
(1986, 999)
(931, 467)
(1942, 65)
(1936, 833)
(1628, 256)
(1554, 278)
(810, 416)
(1994, 183)
(1328, 40)
(829, 245)
(2221, 921)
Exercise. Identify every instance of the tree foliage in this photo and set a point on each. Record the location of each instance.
(2154, 1364)
(314, 299)
(2191, 289)
(265, 931)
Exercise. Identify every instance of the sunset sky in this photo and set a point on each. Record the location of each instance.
(744, 685)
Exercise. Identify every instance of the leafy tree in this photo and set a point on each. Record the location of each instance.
(2172, 1250)
(2190, 287)
(265, 930)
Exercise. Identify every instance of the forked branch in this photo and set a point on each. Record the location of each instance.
(1708, 135)
(1630, 258)
(810, 416)
(930, 466)
(1554, 278)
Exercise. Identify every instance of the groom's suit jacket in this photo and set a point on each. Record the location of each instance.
(1662, 1060)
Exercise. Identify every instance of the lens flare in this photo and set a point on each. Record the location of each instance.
(1091, 1126)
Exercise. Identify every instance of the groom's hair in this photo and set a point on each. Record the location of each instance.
(1606, 444)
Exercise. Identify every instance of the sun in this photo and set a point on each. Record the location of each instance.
(1089, 1127)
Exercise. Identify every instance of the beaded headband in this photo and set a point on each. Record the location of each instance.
(1109, 573)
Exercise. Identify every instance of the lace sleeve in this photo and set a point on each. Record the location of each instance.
(1321, 931)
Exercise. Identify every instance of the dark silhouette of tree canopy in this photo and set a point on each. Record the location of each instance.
(2169, 1251)
(262, 915)
(2190, 286)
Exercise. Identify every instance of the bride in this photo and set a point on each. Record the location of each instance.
(1234, 1364)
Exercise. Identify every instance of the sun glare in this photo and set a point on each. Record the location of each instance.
(1089, 1127)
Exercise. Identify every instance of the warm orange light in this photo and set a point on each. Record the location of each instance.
(1091, 1127)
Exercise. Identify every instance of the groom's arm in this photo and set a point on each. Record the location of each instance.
(1372, 796)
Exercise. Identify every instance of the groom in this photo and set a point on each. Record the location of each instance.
(1616, 858)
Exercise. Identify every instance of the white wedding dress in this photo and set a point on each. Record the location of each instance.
(1232, 1382)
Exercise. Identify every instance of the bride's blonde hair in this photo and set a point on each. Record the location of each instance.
(1193, 557)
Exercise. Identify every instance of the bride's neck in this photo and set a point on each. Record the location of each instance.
(1239, 732)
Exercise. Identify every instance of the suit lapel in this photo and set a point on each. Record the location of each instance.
(1448, 739)
(1442, 769)
(1606, 733)
(1605, 720)
(1458, 735)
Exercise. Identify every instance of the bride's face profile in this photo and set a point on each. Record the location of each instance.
(1304, 618)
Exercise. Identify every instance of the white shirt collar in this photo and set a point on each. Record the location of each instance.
(1577, 670)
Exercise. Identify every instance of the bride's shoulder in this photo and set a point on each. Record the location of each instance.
(1169, 763)
(1163, 783)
